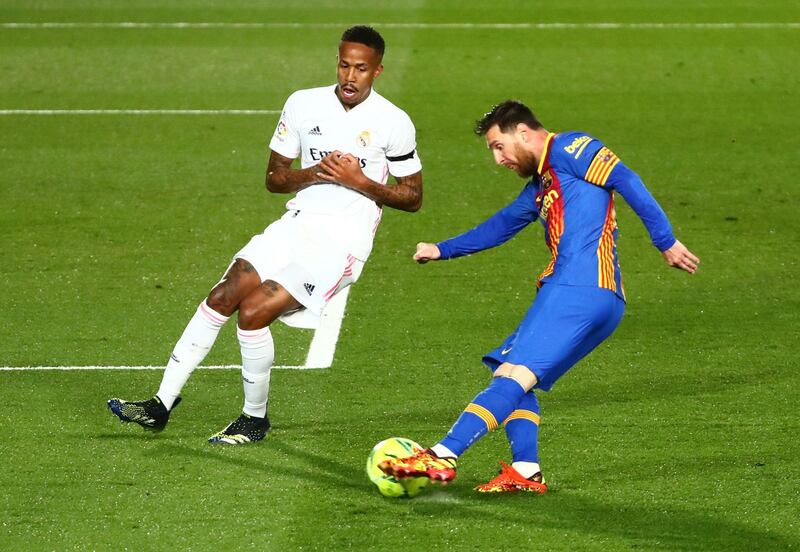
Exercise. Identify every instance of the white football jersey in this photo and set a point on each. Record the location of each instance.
(378, 133)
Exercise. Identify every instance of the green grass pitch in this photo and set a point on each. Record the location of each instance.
(679, 433)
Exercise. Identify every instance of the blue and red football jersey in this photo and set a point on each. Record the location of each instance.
(573, 197)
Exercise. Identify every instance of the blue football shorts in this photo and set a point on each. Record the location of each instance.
(563, 325)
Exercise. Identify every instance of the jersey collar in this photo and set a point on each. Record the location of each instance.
(545, 151)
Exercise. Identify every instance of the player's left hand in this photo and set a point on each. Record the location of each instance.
(341, 168)
(679, 256)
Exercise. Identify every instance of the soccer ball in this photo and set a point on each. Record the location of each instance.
(394, 447)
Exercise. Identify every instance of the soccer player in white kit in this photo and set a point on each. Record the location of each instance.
(349, 139)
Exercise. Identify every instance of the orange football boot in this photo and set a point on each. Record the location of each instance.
(422, 464)
(511, 481)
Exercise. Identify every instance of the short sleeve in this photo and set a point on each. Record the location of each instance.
(401, 150)
(286, 139)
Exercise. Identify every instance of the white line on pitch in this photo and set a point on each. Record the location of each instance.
(139, 112)
(71, 368)
(242, 25)
(323, 345)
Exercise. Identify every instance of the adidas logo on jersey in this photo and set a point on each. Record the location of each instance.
(309, 288)
(315, 131)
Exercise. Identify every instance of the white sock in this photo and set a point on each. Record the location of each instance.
(258, 352)
(442, 451)
(526, 469)
(190, 350)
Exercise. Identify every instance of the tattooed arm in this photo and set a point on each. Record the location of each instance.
(283, 179)
(405, 194)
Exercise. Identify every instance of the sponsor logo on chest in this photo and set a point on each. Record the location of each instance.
(317, 155)
(577, 146)
(363, 140)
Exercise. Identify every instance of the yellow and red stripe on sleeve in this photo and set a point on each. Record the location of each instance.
(601, 166)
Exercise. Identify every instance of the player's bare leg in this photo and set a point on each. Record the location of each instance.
(256, 312)
(192, 347)
(200, 334)
(239, 281)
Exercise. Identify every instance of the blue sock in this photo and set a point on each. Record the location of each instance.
(522, 430)
(481, 416)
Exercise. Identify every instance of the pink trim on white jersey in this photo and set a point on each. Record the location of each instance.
(348, 271)
(377, 220)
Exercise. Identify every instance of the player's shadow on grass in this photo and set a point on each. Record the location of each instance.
(662, 527)
(314, 467)
(128, 434)
(641, 526)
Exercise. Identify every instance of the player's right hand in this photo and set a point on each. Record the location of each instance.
(426, 252)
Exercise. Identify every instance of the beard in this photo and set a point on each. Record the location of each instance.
(526, 162)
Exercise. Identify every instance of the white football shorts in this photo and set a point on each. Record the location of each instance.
(304, 253)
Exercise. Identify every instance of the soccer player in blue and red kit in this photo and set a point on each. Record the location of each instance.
(580, 299)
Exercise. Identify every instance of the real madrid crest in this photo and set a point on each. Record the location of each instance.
(364, 139)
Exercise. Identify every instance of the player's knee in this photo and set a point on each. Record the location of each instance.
(223, 299)
(253, 314)
(239, 281)
(262, 306)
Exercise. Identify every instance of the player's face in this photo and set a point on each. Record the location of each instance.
(358, 66)
(508, 149)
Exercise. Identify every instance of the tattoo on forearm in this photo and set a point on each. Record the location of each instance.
(406, 194)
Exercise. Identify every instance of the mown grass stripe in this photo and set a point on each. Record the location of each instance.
(395, 25)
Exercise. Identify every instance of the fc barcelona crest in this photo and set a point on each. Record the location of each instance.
(546, 180)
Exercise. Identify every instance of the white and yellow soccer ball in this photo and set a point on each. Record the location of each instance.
(394, 447)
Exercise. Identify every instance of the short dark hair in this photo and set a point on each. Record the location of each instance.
(363, 34)
(507, 116)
